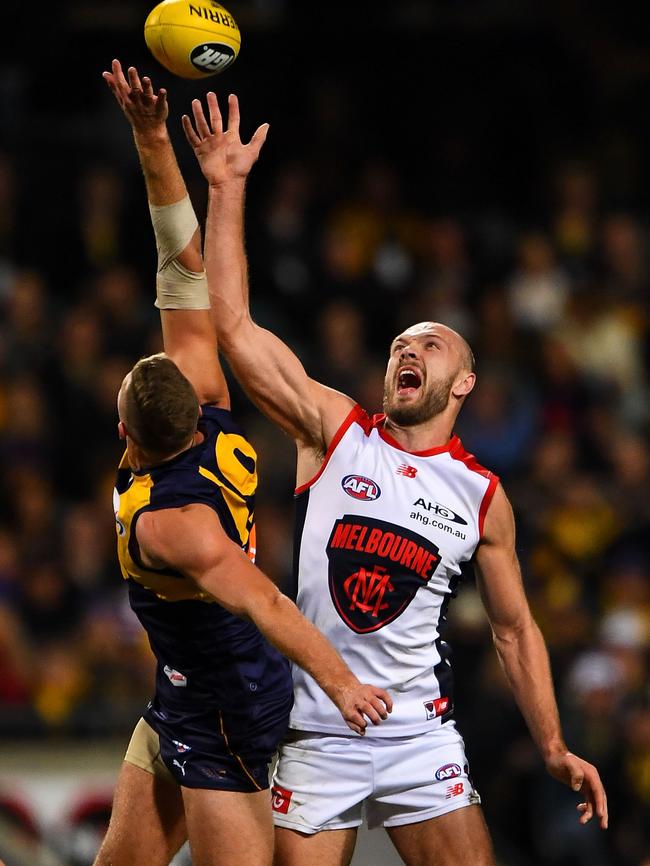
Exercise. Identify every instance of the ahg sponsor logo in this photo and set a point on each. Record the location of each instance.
(360, 487)
(440, 511)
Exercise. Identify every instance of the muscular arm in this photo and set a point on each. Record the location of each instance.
(524, 658)
(269, 371)
(188, 335)
(191, 540)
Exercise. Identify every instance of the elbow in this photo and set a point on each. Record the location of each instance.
(230, 325)
(513, 633)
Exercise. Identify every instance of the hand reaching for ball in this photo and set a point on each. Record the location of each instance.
(221, 153)
(145, 110)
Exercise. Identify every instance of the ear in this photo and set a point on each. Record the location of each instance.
(121, 430)
(463, 386)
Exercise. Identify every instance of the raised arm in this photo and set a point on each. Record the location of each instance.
(191, 540)
(524, 658)
(188, 335)
(268, 370)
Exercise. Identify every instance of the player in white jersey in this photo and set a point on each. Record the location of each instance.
(388, 510)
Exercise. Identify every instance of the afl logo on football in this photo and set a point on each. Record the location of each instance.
(360, 487)
(212, 57)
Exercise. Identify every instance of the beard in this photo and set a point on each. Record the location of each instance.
(429, 405)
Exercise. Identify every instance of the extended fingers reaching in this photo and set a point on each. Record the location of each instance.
(216, 121)
(200, 123)
(134, 78)
(258, 139)
(233, 113)
(137, 97)
(115, 78)
(220, 151)
(193, 140)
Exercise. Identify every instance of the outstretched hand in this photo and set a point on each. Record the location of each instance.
(221, 153)
(581, 776)
(145, 109)
(360, 702)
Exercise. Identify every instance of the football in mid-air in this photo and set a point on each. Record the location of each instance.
(192, 40)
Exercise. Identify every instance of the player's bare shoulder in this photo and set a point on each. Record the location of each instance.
(167, 537)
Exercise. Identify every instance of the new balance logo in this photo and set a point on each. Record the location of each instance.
(436, 707)
(455, 790)
(407, 471)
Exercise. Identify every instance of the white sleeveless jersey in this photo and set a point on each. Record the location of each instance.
(381, 535)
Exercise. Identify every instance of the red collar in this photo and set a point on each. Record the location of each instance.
(378, 421)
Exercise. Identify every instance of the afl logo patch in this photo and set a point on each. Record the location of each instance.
(360, 487)
(448, 771)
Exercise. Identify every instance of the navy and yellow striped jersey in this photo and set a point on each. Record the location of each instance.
(208, 659)
(219, 472)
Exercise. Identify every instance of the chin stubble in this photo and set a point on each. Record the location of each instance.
(427, 407)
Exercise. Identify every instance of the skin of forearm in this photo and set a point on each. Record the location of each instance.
(162, 176)
(524, 658)
(285, 627)
(225, 257)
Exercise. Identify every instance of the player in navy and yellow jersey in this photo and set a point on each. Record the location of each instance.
(197, 764)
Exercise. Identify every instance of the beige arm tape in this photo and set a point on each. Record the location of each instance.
(176, 287)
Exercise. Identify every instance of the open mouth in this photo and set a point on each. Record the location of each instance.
(408, 381)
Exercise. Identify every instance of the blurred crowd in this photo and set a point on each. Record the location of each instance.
(557, 309)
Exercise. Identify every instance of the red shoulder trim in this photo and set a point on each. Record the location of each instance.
(459, 453)
(356, 414)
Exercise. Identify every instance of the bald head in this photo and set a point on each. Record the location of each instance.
(457, 343)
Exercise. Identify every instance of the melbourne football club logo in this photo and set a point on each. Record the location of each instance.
(360, 487)
(375, 569)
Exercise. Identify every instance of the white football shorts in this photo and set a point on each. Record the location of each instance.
(324, 782)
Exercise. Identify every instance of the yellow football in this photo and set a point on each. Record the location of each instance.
(192, 40)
